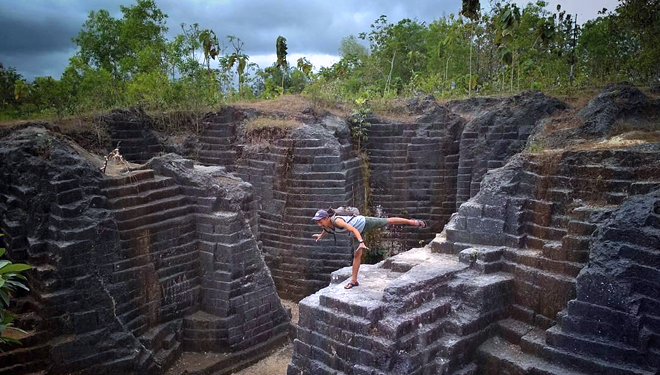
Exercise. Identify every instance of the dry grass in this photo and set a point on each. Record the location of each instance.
(289, 105)
(270, 122)
(579, 100)
(634, 138)
(394, 110)
(261, 131)
(178, 122)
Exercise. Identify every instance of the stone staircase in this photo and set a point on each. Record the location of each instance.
(546, 226)
(415, 313)
(162, 345)
(217, 142)
(136, 142)
(521, 348)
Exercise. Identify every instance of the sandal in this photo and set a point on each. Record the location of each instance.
(351, 285)
(421, 224)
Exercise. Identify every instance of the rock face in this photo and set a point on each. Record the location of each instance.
(134, 272)
(428, 168)
(564, 244)
(294, 173)
(617, 294)
(619, 107)
(131, 131)
(549, 265)
(422, 169)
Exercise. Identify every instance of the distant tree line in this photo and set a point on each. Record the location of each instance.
(129, 61)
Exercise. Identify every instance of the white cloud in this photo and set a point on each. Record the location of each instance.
(32, 32)
(585, 9)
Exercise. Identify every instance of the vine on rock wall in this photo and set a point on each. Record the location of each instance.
(360, 132)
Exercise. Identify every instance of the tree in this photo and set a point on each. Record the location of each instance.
(642, 18)
(398, 50)
(471, 10)
(211, 48)
(508, 22)
(599, 49)
(10, 280)
(98, 42)
(134, 43)
(237, 58)
(352, 49)
(8, 79)
(280, 47)
(305, 66)
(142, 32)
(49, 94)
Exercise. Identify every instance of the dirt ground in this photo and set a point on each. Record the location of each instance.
(276, 363)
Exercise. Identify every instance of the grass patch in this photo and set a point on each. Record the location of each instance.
(270, 122)
(178, 122)
(261, 131)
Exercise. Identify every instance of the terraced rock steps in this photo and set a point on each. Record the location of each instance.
(416, 313)
(293, 177)
(136, 142)
(64, 232)
(158, 243)
(521, 348)
(217, 142)
(413, 174)
(545, 231)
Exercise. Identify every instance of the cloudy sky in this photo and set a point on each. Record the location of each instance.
(35, 35)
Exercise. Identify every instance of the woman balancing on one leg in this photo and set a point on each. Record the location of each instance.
(357, 225)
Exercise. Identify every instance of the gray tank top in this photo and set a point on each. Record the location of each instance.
(357, 222)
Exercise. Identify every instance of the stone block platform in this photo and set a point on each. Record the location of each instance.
(416, 313)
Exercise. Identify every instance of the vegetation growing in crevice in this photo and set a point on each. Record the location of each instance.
(359, 125)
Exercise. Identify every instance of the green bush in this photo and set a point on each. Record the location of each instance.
(10, 281)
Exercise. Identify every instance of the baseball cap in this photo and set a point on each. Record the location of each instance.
(320, 214)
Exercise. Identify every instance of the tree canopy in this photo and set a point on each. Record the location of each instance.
(502, 48)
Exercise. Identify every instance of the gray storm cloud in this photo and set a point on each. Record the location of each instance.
(35, 36)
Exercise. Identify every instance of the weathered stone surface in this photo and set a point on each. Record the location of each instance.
(619, 108)
(617, 291)
(621, 100)
(120, 263)
(426, 318)
(536, 220)
(131, 130)
(514, 283)
(293, 175)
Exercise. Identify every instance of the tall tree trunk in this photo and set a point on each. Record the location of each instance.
(470, 77)
(389, 76)
(513, 60)
(447, 72)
